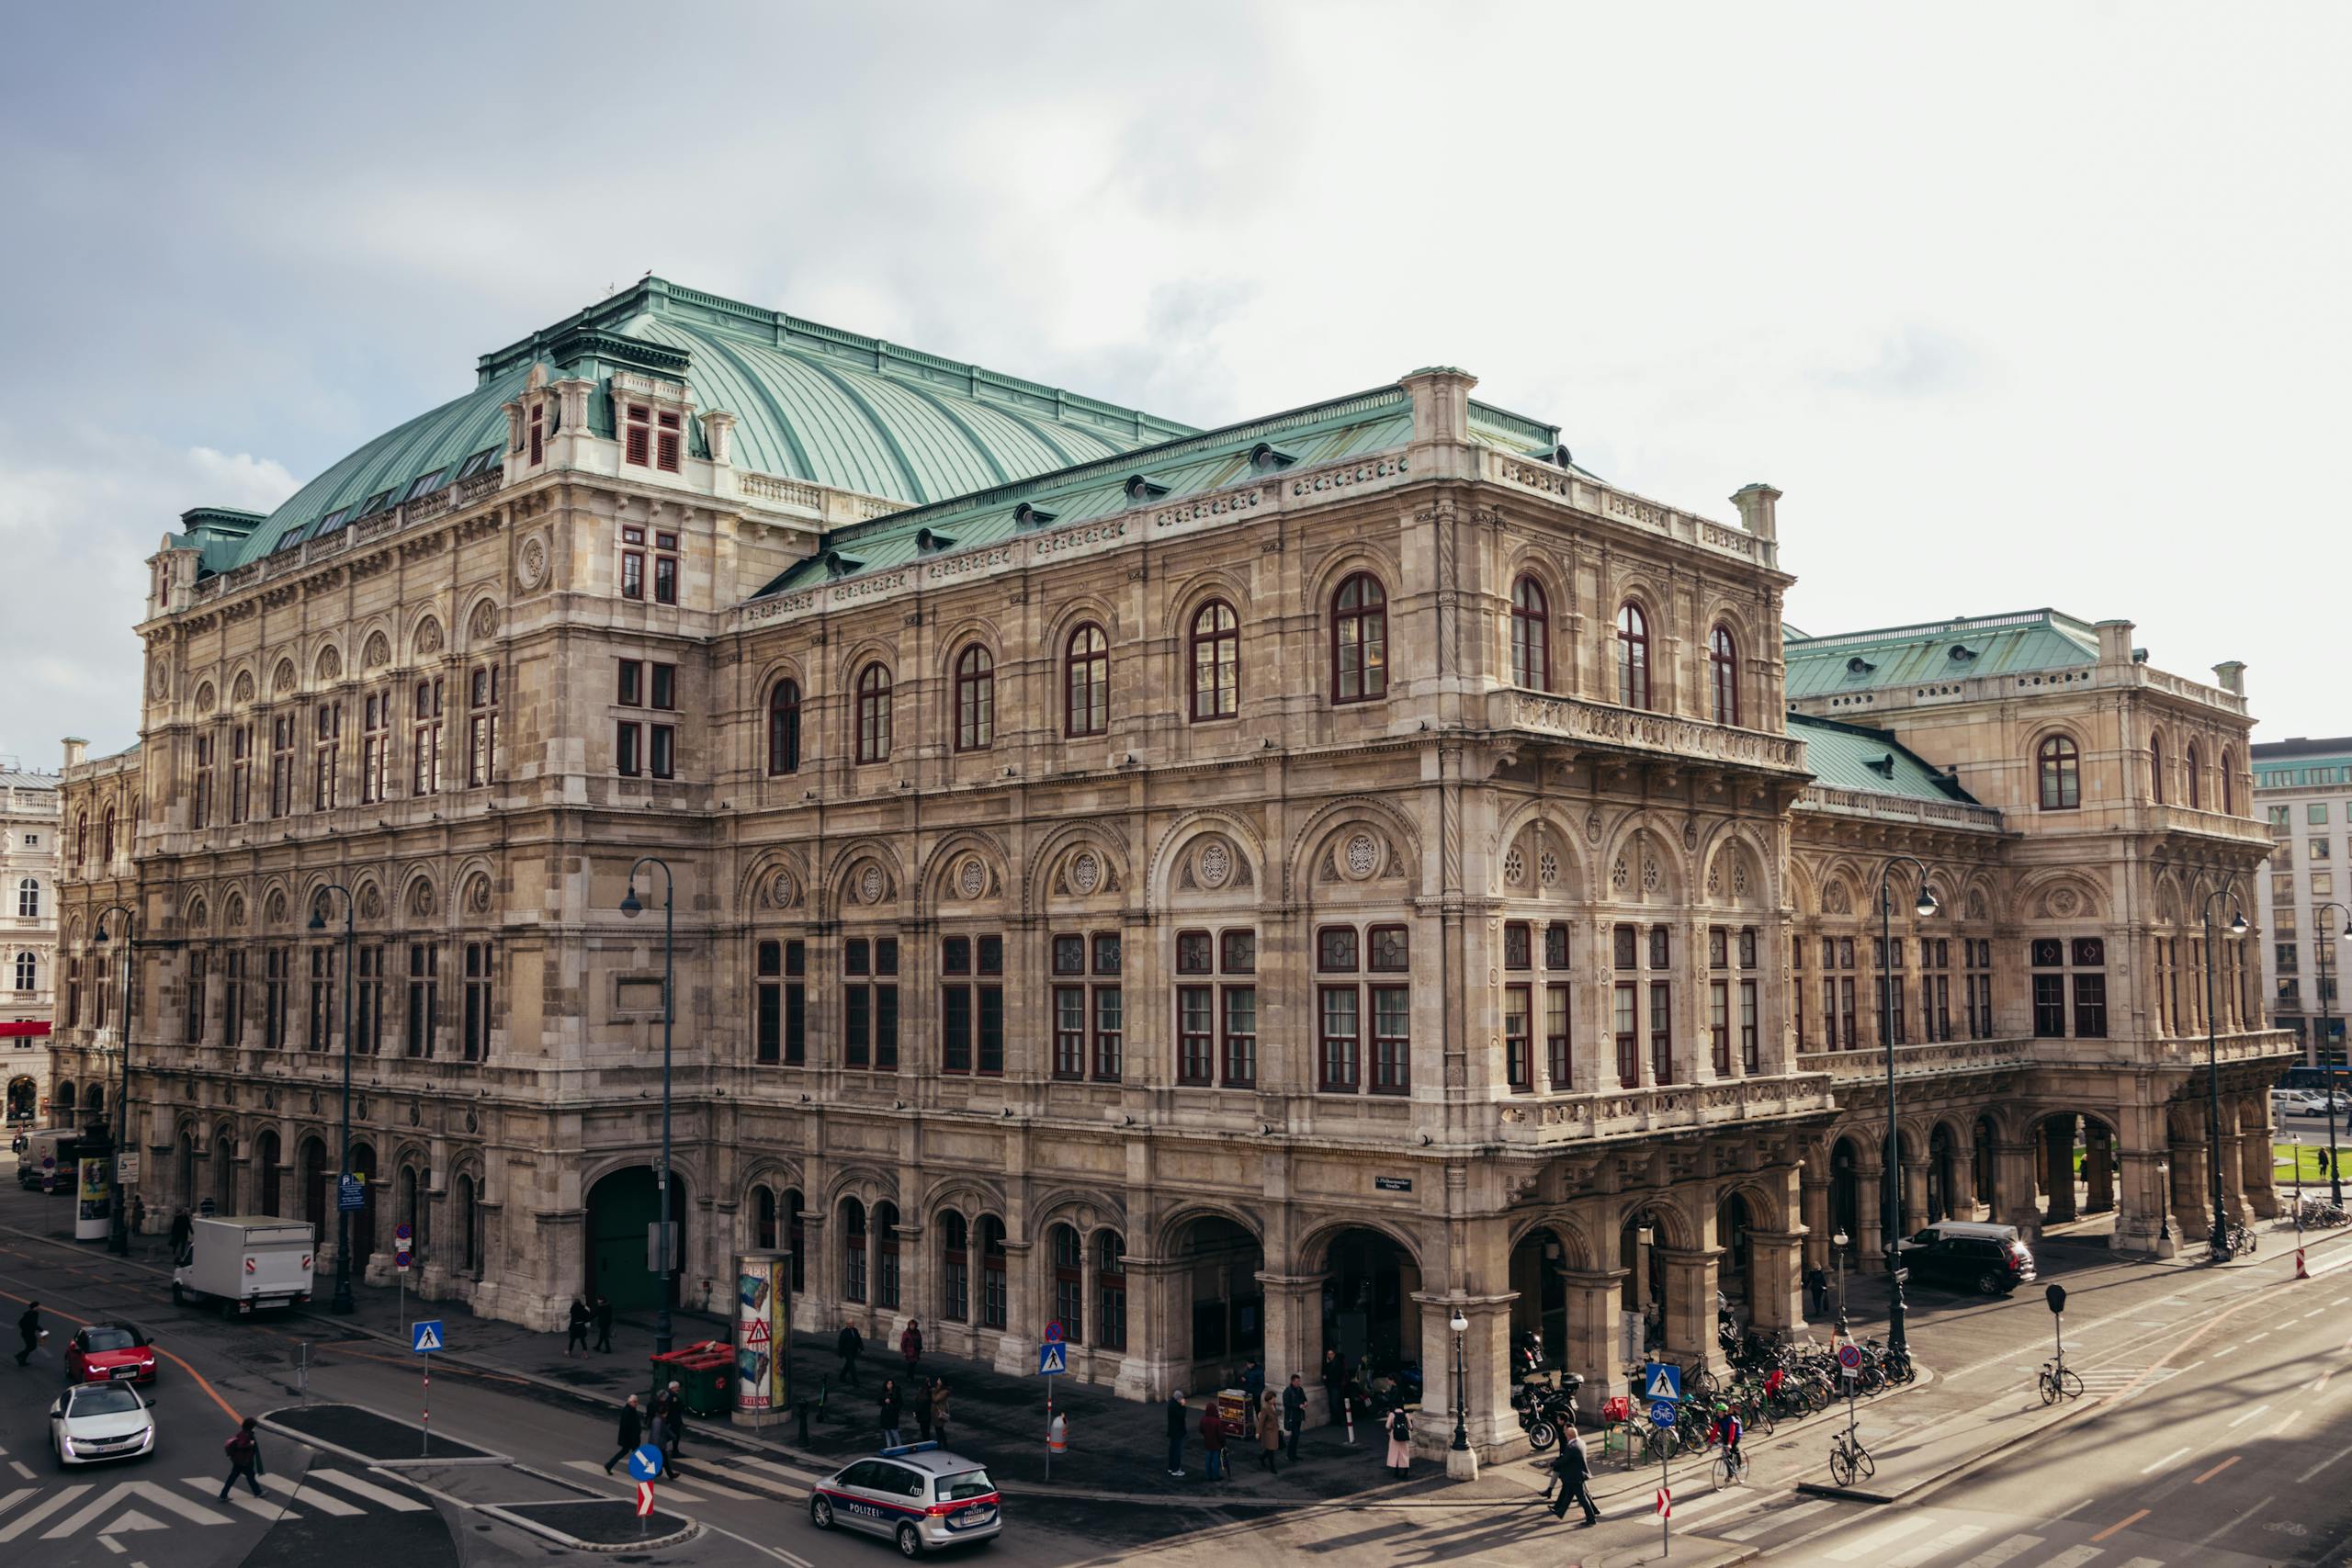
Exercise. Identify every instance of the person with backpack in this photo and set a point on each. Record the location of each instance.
(243, 1449)
(1400, 1442)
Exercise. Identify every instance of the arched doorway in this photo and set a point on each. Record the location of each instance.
(224, 1170)
(622, 1210)
(362, 1221)
(1367, 1279)
(184, 1171)
(313, 1164)
(1985, 1187)
(1221, 1264)
(1641, 1252)
(1539, 1278)
(1845, 1190)
(763, 1219)
(1940, 1158)
(270, 1182)
(1735, 1275)
(61, 1105)
(24, 1100)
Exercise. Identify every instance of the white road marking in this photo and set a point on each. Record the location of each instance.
(2219, 1531)
(2244, 1416)
(2194, 1365)
(2336, 1458)
(2068, 1509)
(2225, 1351)
(1774, 1521)
(702, 1481)
(2164, 1462)
(1994, 1556)
(2314, 1312)
(112, 1545)
(40, 1511)
(259, 1507)
(1878, 1539)
(2280, 1429)
(2257, 1338)
(1951, 1539)
(24, 1472)
(675, 1490)
(12, 1499)
(2074, 1557)
(370, 1491)
(2146, 1563)
(809, 1477)
(310, 1498)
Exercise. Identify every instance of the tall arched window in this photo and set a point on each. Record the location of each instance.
(106, 838)
(853, 1256)
(27, 972)
(1633, 656)
(764, 1218)
(1359, 640)
(2157, 767)
(469, 1214)
(82, 839)
(955, 1268)
(2060, 766)
(2229, 785)
(975, 699)
(784, 728)
(1531, 636)
(1216, 661)
(2196, 784)
(1086, 708)
(1722, 669)
(28, 898)
(873, 712)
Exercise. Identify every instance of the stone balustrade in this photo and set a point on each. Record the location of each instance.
(1613, 1113)
(1606, 727)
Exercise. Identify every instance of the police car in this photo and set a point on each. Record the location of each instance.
(917, 1495)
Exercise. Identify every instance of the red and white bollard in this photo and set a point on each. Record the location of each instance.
(1348, 1413)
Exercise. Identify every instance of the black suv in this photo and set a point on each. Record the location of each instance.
(1973, 1263)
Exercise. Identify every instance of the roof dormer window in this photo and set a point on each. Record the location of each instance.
(637, 437)
(424, 484)
(1266, 457)
(477, 463)
(1027, 516)
(332, 522)
(379, 502)
(1142, 488)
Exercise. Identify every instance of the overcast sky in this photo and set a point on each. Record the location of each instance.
(2019, 306)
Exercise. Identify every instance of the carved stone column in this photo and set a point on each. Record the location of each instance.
(1293, 1307)
(1776, 1270)
(2058, 1157)
(1690, 1307)
(1593, 1351)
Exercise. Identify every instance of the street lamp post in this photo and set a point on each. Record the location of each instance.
(632, 907)
(1890, 1197)
(2163, 1204)
(2326, 947)
(1837, 1245)
(2219, 1242)
(2295, 1146)
(1460, 1462)
(119, 1232)
(343, 1301)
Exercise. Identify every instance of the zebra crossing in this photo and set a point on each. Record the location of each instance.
(1929, 1538)
(739, 1478)
(110, 1509)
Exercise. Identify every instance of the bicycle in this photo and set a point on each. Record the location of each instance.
(2237, 1239)
(1849, 1459)
(1730, 1469)
(2059, 1381)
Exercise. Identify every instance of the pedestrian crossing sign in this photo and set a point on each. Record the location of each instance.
(425, 1336)
(1053, 1358)
(758, 1332)
(1662, 1380)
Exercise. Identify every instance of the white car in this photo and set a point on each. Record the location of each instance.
(92, 1422)
(917, 1496)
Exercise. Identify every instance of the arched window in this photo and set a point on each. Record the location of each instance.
(1359, 640)
(28, 898)
(2196, 784)
(994, 1299)
(975, 699)
(1109, 1290)
(886, 1255)
(27, 972)
(106, 838)
(763, 1219)
(2060, 766)
(1069, 1282)
(955, 1268)
(854, 1250)
(469, 1215)
(1086, 708)
(2157, 767)
(1722, 668)
(2229, 785)
(796, 1237)
(1531, 636)
(94, 1101)
(1633, 656)
(1216, 661)
(82, 839)
(784, 728)
(873, 712)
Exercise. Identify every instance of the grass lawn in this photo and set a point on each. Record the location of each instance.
(2314, 1161)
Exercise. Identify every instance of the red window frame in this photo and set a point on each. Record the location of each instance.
(1239, 1053)
(637, 440)
(1358, 639)
(1632, 657)
(1518, 1066)
(2196, 783)
(1625, 1026)
(1339, 1051)
(1215, 662)
(538, 431)
(667, 442)
(1661, 1024)
(2156, 768)
(1196, 1021)
(1531, 636)
(1389, 1017)
(1558, 1023)
(1719, 1025)
(1070, 1033)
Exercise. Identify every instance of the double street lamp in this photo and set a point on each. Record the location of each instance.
(343, 1301)
(632, 907)
(1891, 1193)
(119, 1232)
(2219, 1242)
(2329, 1079)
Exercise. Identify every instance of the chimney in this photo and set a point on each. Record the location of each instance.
(2231, 674)
(2115, 642)
(76, 751)
(1755, 510)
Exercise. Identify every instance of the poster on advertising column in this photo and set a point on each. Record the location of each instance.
(762, 1322)
(95, 1212)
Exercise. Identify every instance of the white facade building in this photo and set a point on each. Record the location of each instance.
(29, 831)
(2303, 788)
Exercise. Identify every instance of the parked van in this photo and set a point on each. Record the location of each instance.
(1974, 1230)
(47, 1162)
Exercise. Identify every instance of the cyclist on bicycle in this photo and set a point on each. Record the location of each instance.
(1728, 1431)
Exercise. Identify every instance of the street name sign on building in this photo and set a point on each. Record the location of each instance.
(424, 1336)
(1053, 1358)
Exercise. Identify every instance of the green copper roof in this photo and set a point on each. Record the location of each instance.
(811, 403)
(1940, 650)
(1848, 756)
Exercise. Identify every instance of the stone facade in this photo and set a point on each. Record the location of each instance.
(29, 901)
(1229, 914)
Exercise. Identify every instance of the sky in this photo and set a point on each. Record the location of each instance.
(2018, 305)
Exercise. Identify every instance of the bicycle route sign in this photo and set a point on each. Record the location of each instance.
(1849, 1359)
(1662, 1412)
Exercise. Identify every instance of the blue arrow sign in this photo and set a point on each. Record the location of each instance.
(1662, 1412)
(1661, 1379)
(644, 1463)
(1053, 1358)
(424, 1336)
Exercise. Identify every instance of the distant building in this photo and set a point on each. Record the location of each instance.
(2304, 788)
(28, 829)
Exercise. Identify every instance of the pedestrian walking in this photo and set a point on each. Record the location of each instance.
(1293, 1412)
(576, 1342)
(1400, 1442)
(891, 1407)
(1177, 1421)
(632, 1432)
(1335, 1384)
(1270, 1432)
(1571, 1469)
(243, 1449)
(603, 1315)
(939, 1409)
(656, 1432)
(1213, 1443)
(1253, 1388)
(850, 1346)
(138, 1214)
(910, 1346)
(920, 1393)
(30, 1330)
(182, 1229)
(1816, 1281)
(677, 1416)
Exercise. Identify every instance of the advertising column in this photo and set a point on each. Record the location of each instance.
(94, 1210)
(763, 1323)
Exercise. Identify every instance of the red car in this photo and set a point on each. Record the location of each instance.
(110, 1353)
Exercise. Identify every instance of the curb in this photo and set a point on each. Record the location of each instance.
(548, 1532)
(296, 1435)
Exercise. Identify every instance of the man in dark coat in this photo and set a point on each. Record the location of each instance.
(1335, 1383)
(575, 1340)
(1294, 1415)
(1570, 1471)
(604, 1315)
(182, 1228)
(850, 1346)
(29, 1329)
(632, 1432)
(1177, 1421)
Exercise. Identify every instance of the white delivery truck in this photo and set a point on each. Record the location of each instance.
(238, 1264)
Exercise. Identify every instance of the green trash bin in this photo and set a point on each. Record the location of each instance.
(706, 1374)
